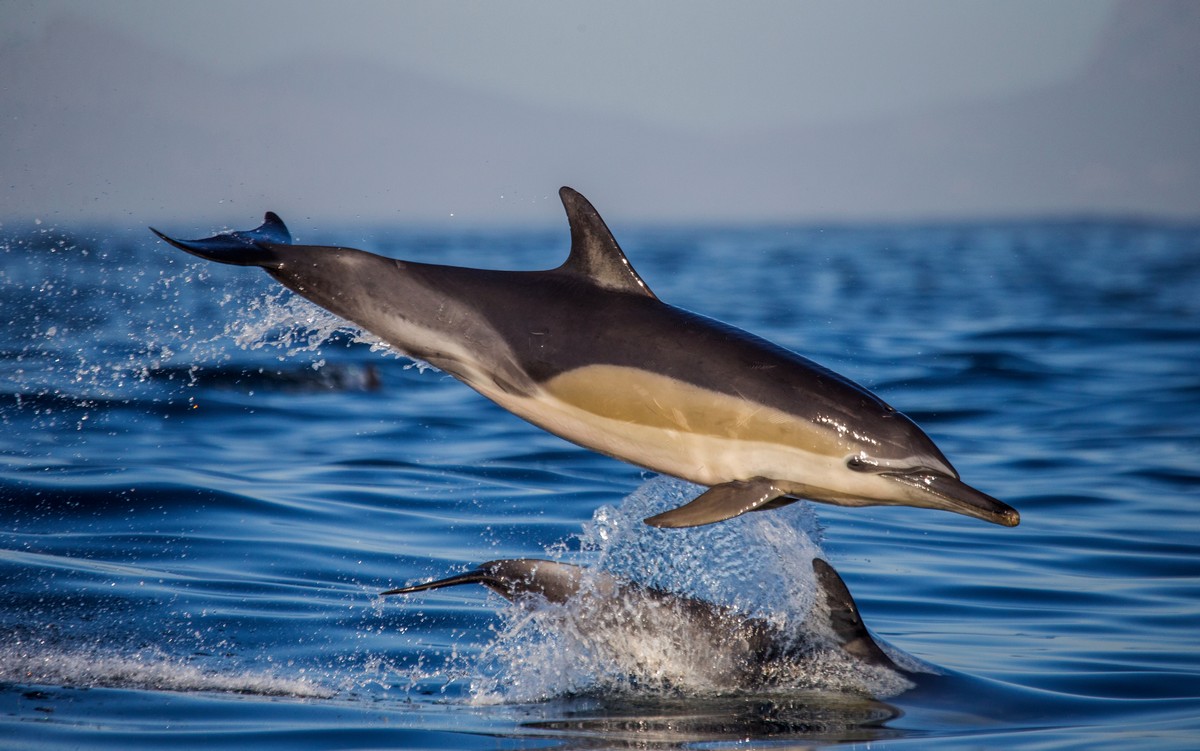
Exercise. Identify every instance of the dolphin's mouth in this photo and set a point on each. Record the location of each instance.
(947, 493)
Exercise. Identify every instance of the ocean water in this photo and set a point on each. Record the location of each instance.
(205, 483)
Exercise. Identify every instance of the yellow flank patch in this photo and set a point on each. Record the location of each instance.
(642, 398)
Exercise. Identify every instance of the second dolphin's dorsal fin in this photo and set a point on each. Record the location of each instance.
(595, 253)
(844, 618)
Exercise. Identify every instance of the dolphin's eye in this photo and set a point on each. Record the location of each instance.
(857, 464)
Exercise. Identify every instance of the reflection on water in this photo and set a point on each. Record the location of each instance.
(664, 722)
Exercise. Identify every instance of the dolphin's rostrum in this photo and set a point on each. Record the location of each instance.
(589, 353)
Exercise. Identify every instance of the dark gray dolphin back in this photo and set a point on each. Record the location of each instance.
(578, 319)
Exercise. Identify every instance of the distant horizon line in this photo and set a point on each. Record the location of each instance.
(32, 225)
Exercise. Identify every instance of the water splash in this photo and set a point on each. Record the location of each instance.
(758, 566)
(286, 321)
(112, 320)
(291, 323)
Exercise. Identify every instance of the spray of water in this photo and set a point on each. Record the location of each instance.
(296, 326)
(149, 669)
(755, 567)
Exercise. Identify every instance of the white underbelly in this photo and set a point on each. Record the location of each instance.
(699, 457)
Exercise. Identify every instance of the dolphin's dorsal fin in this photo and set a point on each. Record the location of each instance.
(594, 251)
(844, 618)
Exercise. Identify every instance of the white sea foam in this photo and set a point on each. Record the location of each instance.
(147, 669)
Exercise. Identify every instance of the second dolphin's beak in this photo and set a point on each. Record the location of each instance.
(935, 490)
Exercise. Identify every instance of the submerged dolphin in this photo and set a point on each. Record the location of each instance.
(729, 649)
(704, 645)
(587, 352)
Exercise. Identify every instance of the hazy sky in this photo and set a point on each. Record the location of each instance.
(737, 66)
(478, 111)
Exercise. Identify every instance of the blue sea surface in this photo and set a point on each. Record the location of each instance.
(205, 483)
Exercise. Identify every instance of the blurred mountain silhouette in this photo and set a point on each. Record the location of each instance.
(98, 126)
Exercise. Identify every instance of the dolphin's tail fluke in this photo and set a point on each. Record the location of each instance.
(255, 247)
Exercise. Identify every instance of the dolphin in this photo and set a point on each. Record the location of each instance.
(831, 650)
(730, 649)
(589, 353)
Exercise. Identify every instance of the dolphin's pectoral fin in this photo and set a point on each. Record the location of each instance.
(255, 247)
(595, 254)
(845, 620)
(720, 502)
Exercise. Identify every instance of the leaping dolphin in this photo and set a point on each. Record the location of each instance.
(589, 353)
(729, 648)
